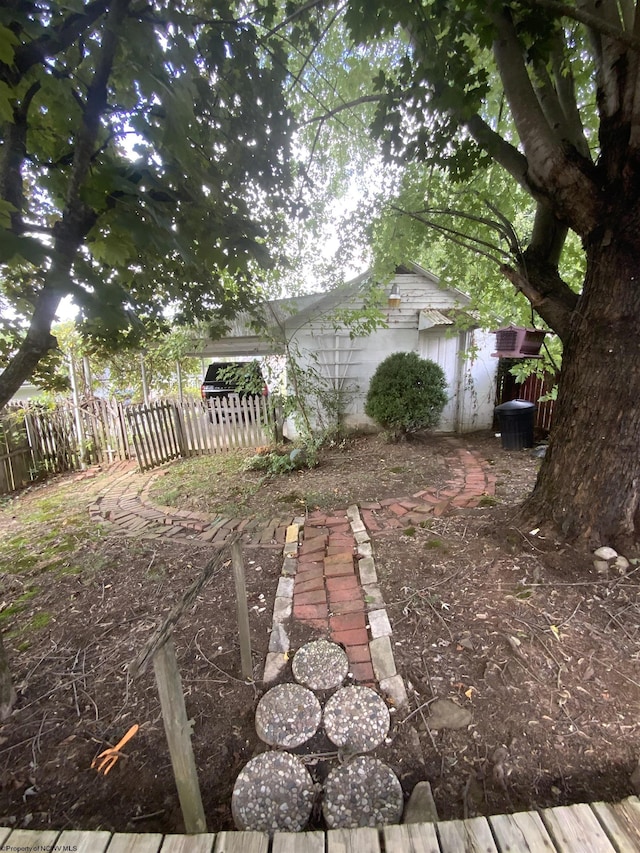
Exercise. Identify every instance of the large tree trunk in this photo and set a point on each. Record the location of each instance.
(589, 483)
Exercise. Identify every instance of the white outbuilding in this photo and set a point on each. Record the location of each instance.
(419, 315)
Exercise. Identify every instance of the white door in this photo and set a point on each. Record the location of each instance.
(436, 345)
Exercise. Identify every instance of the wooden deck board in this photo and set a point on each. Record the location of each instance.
(83, 842)
(411, 838)
(621, 823)
(363, 840)
(242, 842)
(466, 836)
(201, 843)
(134, 842)
(298, 842)
(31, 839)
(576, 829)
(523, 832)
(594, 828)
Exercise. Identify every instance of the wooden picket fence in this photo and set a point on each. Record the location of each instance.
(37, 441)
(168, 429)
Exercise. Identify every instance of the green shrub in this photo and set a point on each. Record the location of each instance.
(407, 393)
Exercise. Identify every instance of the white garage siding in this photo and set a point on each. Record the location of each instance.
(423, 323)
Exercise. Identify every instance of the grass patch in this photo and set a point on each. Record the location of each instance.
(45, 535)
(36, 623)
(291, 498)
(409, 531)
(215, 484)
(433, 544)
(487, 500)
(19, 604)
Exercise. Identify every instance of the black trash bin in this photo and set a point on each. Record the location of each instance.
(516, 420)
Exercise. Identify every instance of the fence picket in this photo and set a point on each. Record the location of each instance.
(36, 440)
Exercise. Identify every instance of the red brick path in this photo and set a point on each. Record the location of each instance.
(327, 593)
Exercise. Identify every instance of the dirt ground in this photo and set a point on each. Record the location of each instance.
(509, 623)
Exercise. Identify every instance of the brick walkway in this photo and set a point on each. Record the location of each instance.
(126, 503)
(329, 580)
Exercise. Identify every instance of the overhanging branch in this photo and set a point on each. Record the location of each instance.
(365, 99)
(592, 21)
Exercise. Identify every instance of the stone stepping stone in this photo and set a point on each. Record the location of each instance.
(288, 715)
(320, 665)
(364, 792)
(274, 792)
(356, 718)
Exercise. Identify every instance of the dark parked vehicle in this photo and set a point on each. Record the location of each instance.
(233, 377)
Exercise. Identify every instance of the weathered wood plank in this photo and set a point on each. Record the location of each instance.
(83, 842)
(575, 829)
(621, 823)
(298, 842)
(134, 842)
(242, 842)
(363, 840)
(242, 610)
(466, 836)
(523, 832)
(202, 843)
(411, 838)
(178, 731)
(31, 839)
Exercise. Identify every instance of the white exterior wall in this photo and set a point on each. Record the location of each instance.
(464, 356)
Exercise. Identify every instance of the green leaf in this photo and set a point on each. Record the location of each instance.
(8, 41)
(6, 104)
(27, 248)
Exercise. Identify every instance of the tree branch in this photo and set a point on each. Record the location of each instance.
(593, 22)
(56, 39)
(541, 284)
(566, 89)
(500, 150)
(365, 99)
(548, 236)
(552, 174)
(458, 237)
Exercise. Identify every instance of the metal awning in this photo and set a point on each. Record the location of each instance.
(430, 317)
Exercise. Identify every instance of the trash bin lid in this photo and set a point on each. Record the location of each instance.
(515, 405)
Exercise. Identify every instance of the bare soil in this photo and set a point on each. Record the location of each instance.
(512, 624)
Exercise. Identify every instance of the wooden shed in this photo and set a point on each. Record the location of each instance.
(421, 317)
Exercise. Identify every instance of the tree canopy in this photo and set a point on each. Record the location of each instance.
(515, 127)
(549, 93)
(144, 150)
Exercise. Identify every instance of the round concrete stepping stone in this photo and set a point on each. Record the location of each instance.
(287, 715)
(364, 792)
(356, 718)
(274, 791)
(320, 665)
